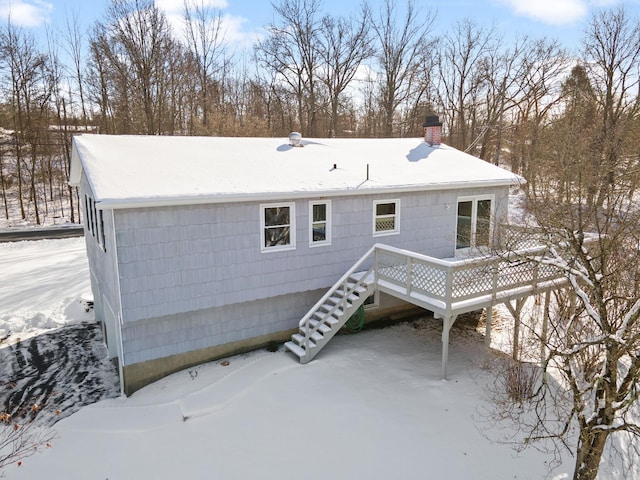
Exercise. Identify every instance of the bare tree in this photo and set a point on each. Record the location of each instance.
(344, 44)
(205, 35)
(464, 57)
(133, 52)
(29, 91)
(73, 42)
(611, 56)
(291, 51)
(539, 79)
(590, 383)
(400, 51)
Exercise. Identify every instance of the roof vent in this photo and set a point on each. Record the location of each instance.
(295, 139)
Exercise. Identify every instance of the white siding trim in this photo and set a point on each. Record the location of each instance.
(118, 315)
(116, 203)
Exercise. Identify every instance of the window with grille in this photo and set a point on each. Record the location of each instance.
(278, 227)
(386, 217)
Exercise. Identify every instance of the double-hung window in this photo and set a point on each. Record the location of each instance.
(319, 223)
(386, 217)
(278, 229)
(474, 222)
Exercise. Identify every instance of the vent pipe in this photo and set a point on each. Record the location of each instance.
(295, 139)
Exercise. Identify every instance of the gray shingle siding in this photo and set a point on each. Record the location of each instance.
(174, 334)
(101, 261)
(180, 259)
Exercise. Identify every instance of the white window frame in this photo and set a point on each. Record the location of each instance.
(474, 199)
(396, 217)
(292, 227)
(327, 239)
(100, 234)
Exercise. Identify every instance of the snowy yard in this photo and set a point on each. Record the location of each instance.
(372, 405)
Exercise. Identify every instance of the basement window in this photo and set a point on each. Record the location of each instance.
(277, 229)
(386, 217)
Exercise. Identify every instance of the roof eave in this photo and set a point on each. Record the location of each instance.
(149, 202)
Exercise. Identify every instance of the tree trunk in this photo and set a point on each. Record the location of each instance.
(590, 450)
(34, 193)
(4, 193)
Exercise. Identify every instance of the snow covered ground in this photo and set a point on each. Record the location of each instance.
(372, 405)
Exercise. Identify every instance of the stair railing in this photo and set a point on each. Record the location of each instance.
(342, 283)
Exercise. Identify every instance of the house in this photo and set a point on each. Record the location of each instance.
(202, 247)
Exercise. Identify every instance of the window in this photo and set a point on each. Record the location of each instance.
(319, 223)
(87, 217)
(278, 230)
(386, 217)
(92, 214)
(101, 236)
(474, 222)
(94, 221)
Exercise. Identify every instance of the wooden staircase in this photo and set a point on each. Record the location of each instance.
(332, 311)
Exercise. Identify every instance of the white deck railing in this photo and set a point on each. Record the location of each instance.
(454, 286)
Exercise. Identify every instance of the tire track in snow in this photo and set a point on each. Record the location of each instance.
(51, 376)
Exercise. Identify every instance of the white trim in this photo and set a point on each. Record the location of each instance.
(118, 315)
(395, 216)
(474, 199)
(327, 221)
(292, 227)
(115, 203)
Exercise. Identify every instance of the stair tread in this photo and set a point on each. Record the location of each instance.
(332, 320)
(299, 338)
(324, 316)
(352, 298)
(295, 349)
(330, 308)
(322, 328)
(356, 290)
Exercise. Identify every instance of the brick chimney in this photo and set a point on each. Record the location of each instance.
(432, 130)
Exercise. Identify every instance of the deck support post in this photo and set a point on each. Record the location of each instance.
(447, 323)
(487, 327)
(515, 312)
(545, 327)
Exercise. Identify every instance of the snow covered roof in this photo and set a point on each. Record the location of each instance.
(135, 171)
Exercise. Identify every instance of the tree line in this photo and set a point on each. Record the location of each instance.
(374, 72)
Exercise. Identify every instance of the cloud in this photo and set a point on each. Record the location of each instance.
(554, 12)
(232, 26)
(26, 13)
(177, 6)
(604, 3)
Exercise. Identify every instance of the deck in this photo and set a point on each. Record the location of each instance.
(447, 287)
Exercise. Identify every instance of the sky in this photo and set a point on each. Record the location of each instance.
(564, 20)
